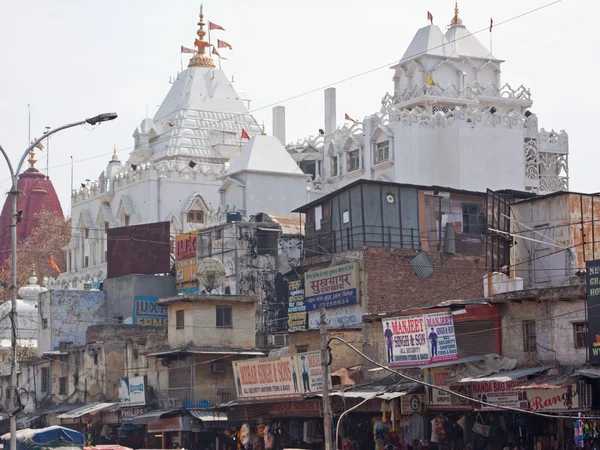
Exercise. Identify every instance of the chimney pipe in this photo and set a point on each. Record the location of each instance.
(330, 113)
(279, 123)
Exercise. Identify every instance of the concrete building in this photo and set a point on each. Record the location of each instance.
(450, 121)
(205, 333)
(255, 255)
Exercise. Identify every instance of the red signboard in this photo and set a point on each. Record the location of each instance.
(139, 249)
(166, 424)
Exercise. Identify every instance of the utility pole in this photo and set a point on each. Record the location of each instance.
(327, 416)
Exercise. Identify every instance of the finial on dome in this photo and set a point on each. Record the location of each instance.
(114, 156)
(200, 59)
(263, 132)
(456, 20)
(32, 159)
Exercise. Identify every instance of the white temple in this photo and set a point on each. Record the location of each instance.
(449, 122)
(179, 170)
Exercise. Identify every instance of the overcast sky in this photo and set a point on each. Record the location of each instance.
(71, 59)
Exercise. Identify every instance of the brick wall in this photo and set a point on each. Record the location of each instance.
(391, 283)
(123, 332)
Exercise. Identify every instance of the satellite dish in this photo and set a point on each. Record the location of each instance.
(211, 273)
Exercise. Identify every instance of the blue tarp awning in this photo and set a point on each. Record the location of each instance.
(51, 436)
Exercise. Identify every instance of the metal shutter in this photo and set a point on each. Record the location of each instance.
(476, 337)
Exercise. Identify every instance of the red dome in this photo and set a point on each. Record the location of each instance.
(38, 193)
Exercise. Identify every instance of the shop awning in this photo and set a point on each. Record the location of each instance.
(548, 382)
(366, 395)
(208, 416)
(91, 408)
(206, 352)
(502, 377)
(590, 372)
(151, 417)
(24, 422)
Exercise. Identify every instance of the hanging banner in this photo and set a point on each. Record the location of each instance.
(331, 287)
(186, 263)
(593, 310)
(420, 339)
(440, 333)
(405, 341)
(311, 372)
(296, 306)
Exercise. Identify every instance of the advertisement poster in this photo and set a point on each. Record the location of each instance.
(498, 393)
(280, 377)
(593, 310)
(132, 391)
(442, 400)
(331, 287)
(296, 306)
(349, 316)
(420, 339)
(565, 398)
(186, 263)
(147, 311)
(267, 378)
(405, 341)
(440, 333)
(311, 372)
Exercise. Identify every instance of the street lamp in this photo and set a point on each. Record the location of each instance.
(14, 192)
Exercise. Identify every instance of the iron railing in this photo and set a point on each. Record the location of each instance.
(203, 396)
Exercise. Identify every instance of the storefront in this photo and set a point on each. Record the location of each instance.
(87, 420)
(129, 434)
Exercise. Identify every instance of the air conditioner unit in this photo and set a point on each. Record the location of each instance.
(278, 340)
(218, 367)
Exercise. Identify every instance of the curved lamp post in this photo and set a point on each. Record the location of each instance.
(14, 192)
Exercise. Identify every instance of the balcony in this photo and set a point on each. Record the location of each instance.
(204, 396)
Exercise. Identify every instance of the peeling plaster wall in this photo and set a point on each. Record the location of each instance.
(65, 315)
(554, 331)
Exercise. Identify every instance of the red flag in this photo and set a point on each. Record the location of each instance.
(223, 44)
(201, 44)
(214, 26)
(187, 50)
(171, 124)
(215, 52)
(52, 264)
(430, 17)
(347, 117)
(491, 24)
(245, 135)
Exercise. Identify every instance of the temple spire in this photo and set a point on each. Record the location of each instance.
(32, 159)
(201, 59)
(456, 20)
(114, 156)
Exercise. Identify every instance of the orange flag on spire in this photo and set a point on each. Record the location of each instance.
(216, 53)
(214, 26)
(223, 44)
(201, 44)
(430, 17)
(245, 135)
(347, 117)
(187, 50)
(52, 263)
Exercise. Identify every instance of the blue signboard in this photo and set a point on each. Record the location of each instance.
(147, 311)
(331, 287)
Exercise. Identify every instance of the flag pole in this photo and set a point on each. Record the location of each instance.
(491, 26)
(29, 109)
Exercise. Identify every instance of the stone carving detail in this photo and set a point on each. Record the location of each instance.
(532, 167)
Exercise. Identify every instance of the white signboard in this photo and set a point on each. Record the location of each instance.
(349, 316)
(311, 372)
(420, 339)
(132, 391)
(267, 378)
(406, 341)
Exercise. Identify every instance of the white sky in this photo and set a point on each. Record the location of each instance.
(71, 59)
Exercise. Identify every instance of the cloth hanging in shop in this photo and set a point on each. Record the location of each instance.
(416, 429)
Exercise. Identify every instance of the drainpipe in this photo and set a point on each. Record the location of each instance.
(498, 336)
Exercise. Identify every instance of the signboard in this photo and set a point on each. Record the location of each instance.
(186, 263)
(420, 339)
(147, 311)
(267, 378)
(440, 333)
(442, 400)
(279, 377)
(593, 310)
(331, 287)
(497, 393)
(349, 316)
(311, 372)
(296, 306)
(412, 404)
(565, 398)
(132, 391)
(406, 341)
(128, 414)
(166, 424)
